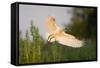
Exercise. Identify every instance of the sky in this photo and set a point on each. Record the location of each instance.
(38, 14)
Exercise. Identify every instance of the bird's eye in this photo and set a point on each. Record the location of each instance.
(53, 19)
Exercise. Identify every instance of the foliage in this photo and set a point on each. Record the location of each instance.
(83, 24)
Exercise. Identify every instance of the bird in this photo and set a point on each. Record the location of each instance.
(56, 33)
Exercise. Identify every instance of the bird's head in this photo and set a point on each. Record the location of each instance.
(50, 18)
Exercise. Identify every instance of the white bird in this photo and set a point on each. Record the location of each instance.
(55, 33)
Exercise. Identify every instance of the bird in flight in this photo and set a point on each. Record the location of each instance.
(56, 33)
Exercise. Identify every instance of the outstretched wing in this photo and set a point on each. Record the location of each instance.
(50, 24)
(68, 40)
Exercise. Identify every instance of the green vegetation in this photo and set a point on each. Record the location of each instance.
(83, 26)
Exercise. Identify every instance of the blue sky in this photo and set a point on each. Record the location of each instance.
(38, 14)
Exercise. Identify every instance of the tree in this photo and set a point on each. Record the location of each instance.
(36, 45)
(83, 24)
(22, 58)
(27, 47)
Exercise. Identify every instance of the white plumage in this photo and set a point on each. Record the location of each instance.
(55, 33)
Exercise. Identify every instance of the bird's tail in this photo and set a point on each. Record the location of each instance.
(77, 43)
